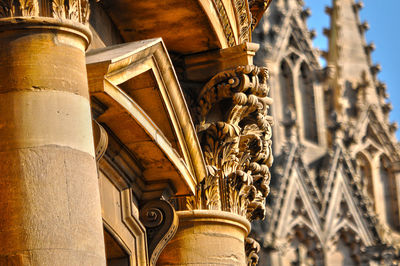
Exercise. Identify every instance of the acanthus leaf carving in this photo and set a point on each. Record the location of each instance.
(237, 150)
(7, 8)
(12, 8)
(58, 7)
(29, 8)
(76, 10)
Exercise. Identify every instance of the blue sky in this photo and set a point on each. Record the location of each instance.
(383, 18)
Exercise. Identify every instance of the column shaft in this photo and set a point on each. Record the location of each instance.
(49, 196)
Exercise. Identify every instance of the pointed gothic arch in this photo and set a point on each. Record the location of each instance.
(287, 87)
(364, 170)
(388, 193)
(306, 89)
(346, 248)
(305, 247)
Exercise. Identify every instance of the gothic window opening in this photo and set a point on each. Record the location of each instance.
(308, 103)
(364, 171)
(346, 248)
(389, 197)
(305, 247)
(286, 85)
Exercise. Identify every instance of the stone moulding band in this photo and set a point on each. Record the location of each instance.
(42, 23)
(218, 216)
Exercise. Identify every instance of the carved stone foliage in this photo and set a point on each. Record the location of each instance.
(76, 10)
(237, 148)
(161, 222)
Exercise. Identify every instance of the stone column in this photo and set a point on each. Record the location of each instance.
(50, 210)
(234, 129)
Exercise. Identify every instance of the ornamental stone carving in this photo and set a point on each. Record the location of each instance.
(237, 149)
(161, 222)
(76, 10)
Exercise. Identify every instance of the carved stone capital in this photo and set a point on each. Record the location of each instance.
(237, 144)
(161, 222)
(75, 10)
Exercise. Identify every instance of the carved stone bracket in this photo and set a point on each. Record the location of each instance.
(161, 222)
(236, 147)
(76, 10)
(252, 248)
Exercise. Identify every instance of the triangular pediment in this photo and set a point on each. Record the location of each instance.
(371, 133)
(297, 197)
(145, 109)
(346, 206)
(296, 37)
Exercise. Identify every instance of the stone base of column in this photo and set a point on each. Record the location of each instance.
(207, 237)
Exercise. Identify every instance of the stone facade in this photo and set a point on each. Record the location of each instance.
(335, 190)
(132, 132)
(140, 133)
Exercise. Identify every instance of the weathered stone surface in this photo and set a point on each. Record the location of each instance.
(207, 238)
(48, 202)
(49, 193)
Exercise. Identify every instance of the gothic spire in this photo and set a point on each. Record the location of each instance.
(355, 79)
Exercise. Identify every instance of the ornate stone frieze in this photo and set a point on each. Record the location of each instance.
(236, 147)
(244, 20)
(248, 14)
(76, 10)
(224, 19)
(161, 222)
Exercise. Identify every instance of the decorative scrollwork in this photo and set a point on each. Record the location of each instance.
(237, 150)
(100, 137)
(244, 19)
(224, 19)
(76, 10)
(161, 222)
(252, 248)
